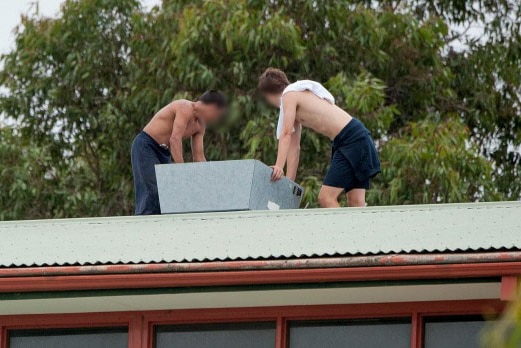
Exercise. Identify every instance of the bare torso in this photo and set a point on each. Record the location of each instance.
(161, 125)
(320, 115)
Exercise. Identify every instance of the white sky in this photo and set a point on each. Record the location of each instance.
(10, 11)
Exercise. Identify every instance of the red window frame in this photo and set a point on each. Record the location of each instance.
(416, 311)
(132, 320)
(141, 325)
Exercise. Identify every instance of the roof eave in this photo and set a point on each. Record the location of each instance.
(232, 273)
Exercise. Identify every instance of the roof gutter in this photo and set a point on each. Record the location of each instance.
(257, 265)
(232, 273)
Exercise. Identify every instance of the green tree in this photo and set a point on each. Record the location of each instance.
(80, 86)
(506, 331)
(34, 186)
(67, 79)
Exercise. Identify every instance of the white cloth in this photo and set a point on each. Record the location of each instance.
(301, 86)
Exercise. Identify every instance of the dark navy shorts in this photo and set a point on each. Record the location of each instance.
(341, 174)
(354, 159)
(145, 154)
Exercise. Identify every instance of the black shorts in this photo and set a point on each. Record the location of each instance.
(354, 159)
(342, 175)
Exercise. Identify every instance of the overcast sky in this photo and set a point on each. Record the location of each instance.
(10, 11)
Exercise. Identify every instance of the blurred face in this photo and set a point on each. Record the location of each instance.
(273, 99)
(210, 113)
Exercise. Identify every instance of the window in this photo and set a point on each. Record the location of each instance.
(355, 334)
(453, 332)
(69, 338)
(239, 335)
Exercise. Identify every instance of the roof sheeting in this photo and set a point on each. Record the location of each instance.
(262, 235)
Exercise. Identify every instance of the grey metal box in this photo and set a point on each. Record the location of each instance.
(223, 186)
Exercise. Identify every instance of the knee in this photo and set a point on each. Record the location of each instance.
(326, 201)
(357, 202)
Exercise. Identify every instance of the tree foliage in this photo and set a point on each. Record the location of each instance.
(505, 332)
(78, 88)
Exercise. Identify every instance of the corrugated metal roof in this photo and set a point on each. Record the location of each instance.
(262, 235)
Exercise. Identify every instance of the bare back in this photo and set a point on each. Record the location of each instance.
(319, 114)
(161, 125)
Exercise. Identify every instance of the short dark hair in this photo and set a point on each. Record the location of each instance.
(273, 81)
(214, 97)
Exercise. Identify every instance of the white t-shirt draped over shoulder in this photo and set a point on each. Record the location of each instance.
(303, 85)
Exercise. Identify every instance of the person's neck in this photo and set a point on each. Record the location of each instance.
(195, 111)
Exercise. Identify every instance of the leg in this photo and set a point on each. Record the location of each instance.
(328, 196)
(337, 178)
(144, 160)
(356, 197)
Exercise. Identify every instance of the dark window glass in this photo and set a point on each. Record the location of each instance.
(453, 332)
(351, 334)
(69, 338)
(240, 335)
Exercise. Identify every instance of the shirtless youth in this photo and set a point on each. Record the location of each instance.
(162, 140)
(307, 103)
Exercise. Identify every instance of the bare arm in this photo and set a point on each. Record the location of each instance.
(294, 153)
(176, 138)
(289, 104)
(198, 147)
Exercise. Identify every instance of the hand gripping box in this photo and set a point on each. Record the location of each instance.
(223, 186)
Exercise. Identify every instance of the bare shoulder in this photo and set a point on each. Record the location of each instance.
(291, 98)
(293, 95)
(181, 107)
(180, 104)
